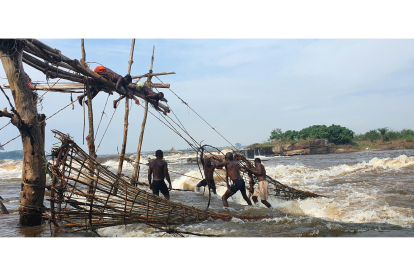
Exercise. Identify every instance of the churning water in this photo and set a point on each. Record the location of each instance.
(367, 193)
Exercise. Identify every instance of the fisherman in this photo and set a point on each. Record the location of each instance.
(150, 95)
(113, 77)
(208, 173)
(159, 168)
(233, 171)
(262, 187)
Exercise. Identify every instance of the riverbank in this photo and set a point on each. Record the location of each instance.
(322, 147)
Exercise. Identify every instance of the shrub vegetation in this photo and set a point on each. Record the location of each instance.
(335, 134)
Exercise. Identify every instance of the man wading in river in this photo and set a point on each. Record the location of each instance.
(261, 189)
(208, 173)
(159, 168)
(233, 172)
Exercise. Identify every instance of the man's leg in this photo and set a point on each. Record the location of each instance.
(155, 190)
(80, 99)
(202, 183)
(254, 199)
(246, 198)
(131, 96)
(226, 195)
(164, 190)
(94, 93)
(212, 186)
(116, 101)
(266, 203)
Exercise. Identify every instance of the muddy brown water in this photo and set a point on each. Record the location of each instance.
(368, 194)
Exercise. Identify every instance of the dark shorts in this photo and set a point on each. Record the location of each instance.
(238, 185)
(203, 183)
(159, 186)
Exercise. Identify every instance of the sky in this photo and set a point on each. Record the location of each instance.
(243, 88)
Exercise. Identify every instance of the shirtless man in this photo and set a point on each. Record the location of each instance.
(150, 95)
(261, 189)
(115, 78)
(233, 172)
(209, 174)
(159, 168)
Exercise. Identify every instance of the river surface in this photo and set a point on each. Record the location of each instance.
(368, 194)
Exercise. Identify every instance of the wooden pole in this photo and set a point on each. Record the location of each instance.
(135, 175)
(124, 142)
(27, 119)
(90, 138)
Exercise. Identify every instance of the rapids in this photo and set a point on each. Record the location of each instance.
(366, 194)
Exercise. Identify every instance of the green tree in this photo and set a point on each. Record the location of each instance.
(382, 131)
(393, 135)
(334, 134)
(407, 133)
(372, 135)
(276, 134)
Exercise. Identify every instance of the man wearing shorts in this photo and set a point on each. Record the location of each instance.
(208, 173)
(233, 172)
(159, 169)
(261, 189)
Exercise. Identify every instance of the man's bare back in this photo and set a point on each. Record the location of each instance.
(159, 170)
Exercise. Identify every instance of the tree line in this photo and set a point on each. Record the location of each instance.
(339, 135)
(386, 134)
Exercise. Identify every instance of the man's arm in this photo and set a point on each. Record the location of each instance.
(167, 176)
(118, 86)
(227, 179)
(121, 83)
(154, 102)
(258, 170)
(217, 164)
(149, 176)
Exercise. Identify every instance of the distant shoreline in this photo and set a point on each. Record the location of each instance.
(314, 147)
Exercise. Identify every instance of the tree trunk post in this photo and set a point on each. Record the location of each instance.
(31, 128)
(135, 175)
(90, 139)
(124, 142)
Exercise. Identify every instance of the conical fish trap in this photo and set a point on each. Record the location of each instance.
(85, 194)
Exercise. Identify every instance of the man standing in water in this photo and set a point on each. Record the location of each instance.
(159, 168)
(208, 173)
(233, 172)
(261, 189)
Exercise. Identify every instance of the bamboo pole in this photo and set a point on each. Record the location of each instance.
(152, 74)
(135, 175)
(124, 142)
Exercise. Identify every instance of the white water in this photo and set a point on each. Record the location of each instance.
(371, 191)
